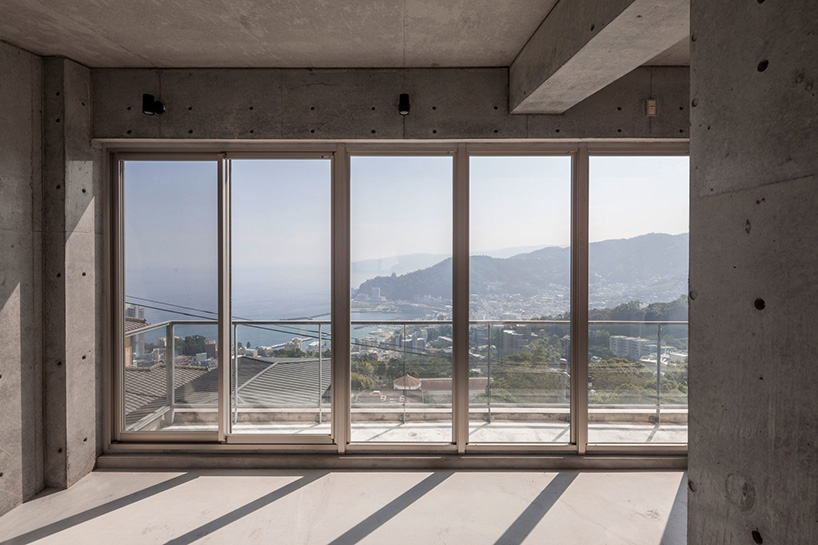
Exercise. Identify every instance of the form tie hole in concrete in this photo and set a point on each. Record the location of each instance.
(252, 131)
(434, 131)
(373, 108)
(58, 93)
(681, 130)
(558, 130)
(189, 108)
(691, 485)
(763, 65)
(83, 357)
(251, 107)
(759, 304)
(693, 294)
(618, 130)
(373, 131)
(496, 131)
(681, 108)
(83, 274)
(312, 108)
(58, 120)
(83, 190)
(756, 534)
(619, 108)
(59, 450)
(129, 131)
(128, 108)
(85, 440)
(496, 108)
(59, 363)
(190, 131)
(593, 27)
(434, 107)
(82, 103)
(693, 37)
(59, 186)
(695, 102)
(312, 131)
(59, 275)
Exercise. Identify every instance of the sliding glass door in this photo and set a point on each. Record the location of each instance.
(280, 275)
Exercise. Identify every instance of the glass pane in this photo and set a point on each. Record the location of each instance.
(520, 295)
(638, 270)
(401, 271)
(171, 295)
(281, 238)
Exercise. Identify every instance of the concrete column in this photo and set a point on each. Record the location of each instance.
(71, 261)
(753, 464)
(21, 474)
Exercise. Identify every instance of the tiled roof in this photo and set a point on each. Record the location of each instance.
(263, 382)
(132, 324)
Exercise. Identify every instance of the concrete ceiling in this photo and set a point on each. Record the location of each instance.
(282, 33)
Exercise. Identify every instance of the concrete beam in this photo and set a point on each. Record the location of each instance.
(583, 46)
(273, 104)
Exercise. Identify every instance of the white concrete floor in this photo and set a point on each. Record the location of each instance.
(346, 507)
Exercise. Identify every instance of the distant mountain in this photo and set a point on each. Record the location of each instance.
(401, 264)
(650, 268)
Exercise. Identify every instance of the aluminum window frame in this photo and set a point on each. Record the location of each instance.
(120, 441)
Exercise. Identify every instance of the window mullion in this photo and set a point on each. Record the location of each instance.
(579, 300)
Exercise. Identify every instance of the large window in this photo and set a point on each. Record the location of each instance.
(450, 298)
(637, 299)
(401, 275)
(520, 299)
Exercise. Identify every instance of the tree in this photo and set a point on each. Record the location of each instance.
(248, 344)
(194, 344)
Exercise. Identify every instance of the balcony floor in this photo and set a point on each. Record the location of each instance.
(345, 507)
(498, 431)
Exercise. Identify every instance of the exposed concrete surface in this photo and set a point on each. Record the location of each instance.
(585, 45)
(72, 234)
(318, 506)
(675, 55)
(754, 290)
(21, 471)
(363, 104)
(291, 33)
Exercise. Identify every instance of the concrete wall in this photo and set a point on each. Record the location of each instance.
(50, 301)
(753, 462)
(363, 104)
(72, 261)
(21, 470)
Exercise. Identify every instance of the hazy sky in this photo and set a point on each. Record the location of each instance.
(399, 205)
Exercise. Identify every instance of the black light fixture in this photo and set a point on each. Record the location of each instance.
(151, 106)
(403, 104)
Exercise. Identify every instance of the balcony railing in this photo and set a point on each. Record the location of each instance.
(514, 373)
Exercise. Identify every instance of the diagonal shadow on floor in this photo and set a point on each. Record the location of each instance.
(391, 509)
(85, 516)
(534, 513)
(244, 510)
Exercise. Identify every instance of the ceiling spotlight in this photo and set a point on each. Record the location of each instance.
(403, 104)
(151, 106)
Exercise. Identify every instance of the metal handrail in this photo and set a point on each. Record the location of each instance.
(169, 326)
